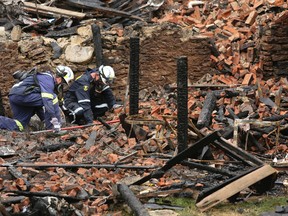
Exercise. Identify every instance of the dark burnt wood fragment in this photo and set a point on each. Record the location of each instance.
(132, 201)
(204, 119)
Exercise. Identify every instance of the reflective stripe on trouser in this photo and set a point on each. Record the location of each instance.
(10, 124)
(99, 110)
(25, 106)
(74, 110)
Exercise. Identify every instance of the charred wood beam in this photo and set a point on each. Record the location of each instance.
(207, 109)
(97, 45)
(119, 4)
(222, 93)
(12, 200)
(231, 112)
(227, 132)
(55, 147)
(264, 177)
(275, 117)
(220, 114)
(71, 166)
(237, 152)
(182, 98)
(132, 201)
(208, 168)
(44, 194)
(192, 151)
(102, 9)
(62, 33)
(265, 130)
(85, 4)
(33, 7)
(134, 76)
(254, 141)
(211, 190)
(230, 92)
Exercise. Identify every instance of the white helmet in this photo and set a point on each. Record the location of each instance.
(107, 74)
(65, 72)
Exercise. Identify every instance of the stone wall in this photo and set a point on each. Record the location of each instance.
(160, 46)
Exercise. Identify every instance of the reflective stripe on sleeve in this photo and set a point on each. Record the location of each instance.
(55, 100)
(47, 95)
(102, 105)
(84, 101)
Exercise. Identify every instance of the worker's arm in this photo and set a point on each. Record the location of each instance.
(50, 99)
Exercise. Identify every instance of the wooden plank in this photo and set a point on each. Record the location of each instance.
(54, 10)
(235, 187)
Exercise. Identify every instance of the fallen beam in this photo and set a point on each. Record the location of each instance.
(55, 147)
(44, 194)
(72, 166)
(132, 201)
(235, 187)
(32, 7)
(189, 152)
(207, 168)
(237, 152)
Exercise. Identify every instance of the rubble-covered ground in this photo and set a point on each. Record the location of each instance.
(82, 167)
(77, 172)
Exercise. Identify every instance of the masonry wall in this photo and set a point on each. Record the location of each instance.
(274, 50)
(160, 46)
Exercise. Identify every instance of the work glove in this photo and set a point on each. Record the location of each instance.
(56, 125)
(115, 106)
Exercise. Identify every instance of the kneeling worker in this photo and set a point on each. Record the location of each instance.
(102, 97)
(78, 100)
(29, 96)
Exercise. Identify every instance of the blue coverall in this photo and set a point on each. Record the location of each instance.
(77, 98)
(28, 98)
(10, 124)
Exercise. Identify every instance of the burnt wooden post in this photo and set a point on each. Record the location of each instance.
(97, 45)
(182, 99)
(134, 76)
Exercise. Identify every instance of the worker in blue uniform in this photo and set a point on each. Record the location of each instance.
(78, 100)
(34, 94)
(102, 97)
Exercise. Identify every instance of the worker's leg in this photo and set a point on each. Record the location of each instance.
(23, 107)
(10, 124)
(99, 111)
(74, 111)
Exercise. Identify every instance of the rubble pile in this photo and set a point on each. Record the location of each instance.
(237, 104)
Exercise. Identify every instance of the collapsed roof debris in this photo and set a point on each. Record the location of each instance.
(237, 122)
